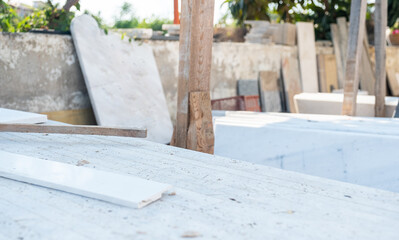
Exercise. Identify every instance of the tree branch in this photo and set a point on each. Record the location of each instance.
(69, 4)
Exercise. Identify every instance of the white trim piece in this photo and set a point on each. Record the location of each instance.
(15, 116)
(106, 186)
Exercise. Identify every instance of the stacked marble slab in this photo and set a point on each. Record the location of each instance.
(350, 149)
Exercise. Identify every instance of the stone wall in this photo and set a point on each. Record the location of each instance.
(41, 72)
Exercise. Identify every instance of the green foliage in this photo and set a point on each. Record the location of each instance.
(127, 19)
(99, 20)
(321, 12)
(393, 12)
(50, 17)
(8, 18)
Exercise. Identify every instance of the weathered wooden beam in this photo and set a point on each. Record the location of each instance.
(355, 45)
(196, 37)
(338, 56)
(74, 129)
(380, 23)
(200, 131)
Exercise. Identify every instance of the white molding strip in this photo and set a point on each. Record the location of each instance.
(106, 186)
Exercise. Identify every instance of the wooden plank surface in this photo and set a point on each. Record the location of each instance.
(291, 80)
(196, 37)
(338, 55)
(327, 70)
(215, 197)
(75, 129)
(119, 189)
(380, 15)
(269, 91)
(200, 131)
(307, 56)
(356, 37)
(122, 80)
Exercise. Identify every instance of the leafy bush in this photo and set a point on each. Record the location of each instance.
(127, 19)
(321, 12)
(50, 17)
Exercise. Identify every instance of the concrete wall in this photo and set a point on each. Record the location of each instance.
(40, 73)
(230, 62)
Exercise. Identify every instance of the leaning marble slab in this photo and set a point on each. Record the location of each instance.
(15, 116)
(106, 186)
(122, 80)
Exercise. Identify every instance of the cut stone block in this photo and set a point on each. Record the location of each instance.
(331, 104)
(122, 80)
(349, 149)
(14, 116)
(247, 87)
(307, 56)
(270, 99)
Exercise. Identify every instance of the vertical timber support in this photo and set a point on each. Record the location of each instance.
(194, 128)
(354, 54)
(380, 15)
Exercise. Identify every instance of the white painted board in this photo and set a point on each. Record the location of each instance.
(14, 116)
(307, 56)
(110, 187)
(122, 80)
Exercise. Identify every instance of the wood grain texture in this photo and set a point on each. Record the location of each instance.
(307, 56)
(269, 91)
(327, 69)
(200, 132)
(75, 129)
(380, 21)
(196, 37)
(338, 55)
(366, 74)
(292, 84)
(356, 34)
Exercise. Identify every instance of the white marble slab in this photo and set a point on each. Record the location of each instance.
(122, 80)
(14, 116)
(110, 187)
(216, 197)
(331, 104)
(349, 149)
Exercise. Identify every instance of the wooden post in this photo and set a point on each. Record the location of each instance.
(355, 45)
(196, 37)
(380, 21)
